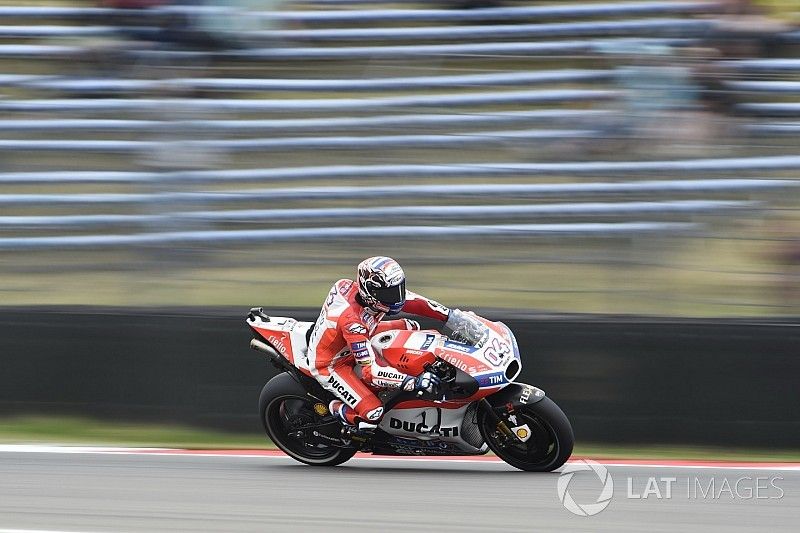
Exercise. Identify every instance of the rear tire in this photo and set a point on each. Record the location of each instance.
(283, 403)
(549, 446)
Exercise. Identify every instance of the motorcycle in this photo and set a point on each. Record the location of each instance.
(478, 407)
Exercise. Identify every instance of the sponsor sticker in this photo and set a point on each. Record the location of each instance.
(320, 409)
(391, 375)
(278, 344)
(522, 432)
(429, 338)
(357, 329)
(436, 306)
(491, 380)
(457, 346)
(344, 391)
(345, 287)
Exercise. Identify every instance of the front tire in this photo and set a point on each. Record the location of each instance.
(549, 446)
(285, 405)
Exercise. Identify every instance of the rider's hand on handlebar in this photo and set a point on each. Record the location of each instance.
(425, 383)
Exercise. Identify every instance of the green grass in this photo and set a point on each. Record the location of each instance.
(650, 276)
(85, 431)
(72, 430)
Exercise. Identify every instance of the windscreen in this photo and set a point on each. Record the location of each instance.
(467, 329)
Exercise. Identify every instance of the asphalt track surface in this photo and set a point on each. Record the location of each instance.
(99, 492)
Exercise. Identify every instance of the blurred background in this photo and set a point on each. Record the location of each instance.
(628, 158)
(623, 157)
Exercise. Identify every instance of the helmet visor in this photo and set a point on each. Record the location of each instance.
(391, 295)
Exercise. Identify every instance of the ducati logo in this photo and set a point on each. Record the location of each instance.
(344, 393)
(422, 428)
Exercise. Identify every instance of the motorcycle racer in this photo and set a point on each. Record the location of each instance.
(352, 313)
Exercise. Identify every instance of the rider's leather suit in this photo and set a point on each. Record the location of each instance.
(340, 340)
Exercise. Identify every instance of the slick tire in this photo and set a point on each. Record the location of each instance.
(552, 430)
(276, 392)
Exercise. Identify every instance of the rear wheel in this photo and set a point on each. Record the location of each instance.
(286, 411)
(550, 443)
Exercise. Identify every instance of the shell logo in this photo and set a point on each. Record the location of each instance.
(522, 433)
(320, 409)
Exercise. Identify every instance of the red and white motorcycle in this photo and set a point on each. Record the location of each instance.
(478, 408)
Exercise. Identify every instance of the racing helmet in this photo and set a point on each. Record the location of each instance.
(381, 284)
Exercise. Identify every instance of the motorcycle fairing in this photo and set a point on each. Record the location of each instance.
(433, 428)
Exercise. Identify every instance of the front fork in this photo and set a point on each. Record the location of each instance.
(499, 422)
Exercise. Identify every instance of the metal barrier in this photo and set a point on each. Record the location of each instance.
(763, 65)
(328, 104)
(777, 128)
(609, 229)
(385, 15)
(647, 27)
(341, 142)
(777, 87)
(408, 171)
(434, 212)
(771, 109)
(506, 13)
(164, 205)
(534, 190)
(316, 85)
(332, 124)
(354, 52)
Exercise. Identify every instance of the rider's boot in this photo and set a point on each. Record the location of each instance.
(348, 418)
(344, 413)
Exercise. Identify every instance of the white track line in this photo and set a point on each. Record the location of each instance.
(34, 448)
(40, 531)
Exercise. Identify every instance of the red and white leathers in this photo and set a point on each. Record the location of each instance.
(340, 340)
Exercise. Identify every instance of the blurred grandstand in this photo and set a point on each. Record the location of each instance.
(622, 157)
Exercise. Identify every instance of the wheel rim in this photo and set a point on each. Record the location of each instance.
(539, 450)
(286, 415)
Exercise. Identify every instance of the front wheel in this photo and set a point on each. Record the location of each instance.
(550, 443)
(286, 410)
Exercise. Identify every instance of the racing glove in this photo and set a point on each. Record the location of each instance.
(427, 383)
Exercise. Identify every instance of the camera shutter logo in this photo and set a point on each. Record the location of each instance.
(587, 509)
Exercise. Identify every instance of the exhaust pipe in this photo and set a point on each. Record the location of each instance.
(260, 346)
